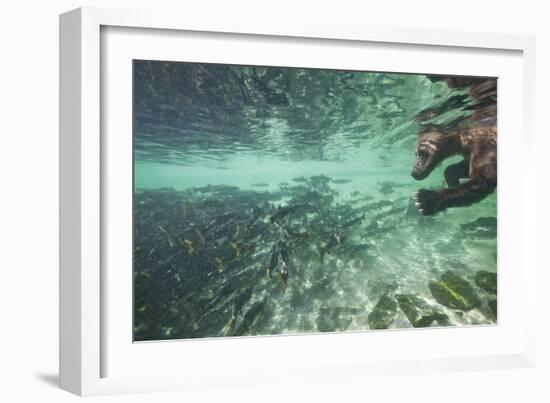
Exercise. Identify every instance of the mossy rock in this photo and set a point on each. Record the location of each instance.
(482, 228)
(487, 281)
(454, 292)
(493, 306)
(410, 305)
(440, 318)
(419, 313)
(383, 314)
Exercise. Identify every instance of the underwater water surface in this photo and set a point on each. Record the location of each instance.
(271, 200)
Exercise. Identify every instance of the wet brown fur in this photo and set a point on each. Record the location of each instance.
(475, 140)
(478, 146)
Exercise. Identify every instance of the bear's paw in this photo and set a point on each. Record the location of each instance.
(428, 202)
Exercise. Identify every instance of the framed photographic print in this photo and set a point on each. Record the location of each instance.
(238, 196)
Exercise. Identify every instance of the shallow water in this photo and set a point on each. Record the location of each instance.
(220, 150)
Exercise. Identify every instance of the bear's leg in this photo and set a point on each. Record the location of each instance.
(455, 172)
(476, 189)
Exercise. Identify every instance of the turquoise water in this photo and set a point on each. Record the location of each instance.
(242, 172)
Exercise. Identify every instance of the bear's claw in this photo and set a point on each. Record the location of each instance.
(428, 202)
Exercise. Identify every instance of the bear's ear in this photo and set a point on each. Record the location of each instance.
(429, 129)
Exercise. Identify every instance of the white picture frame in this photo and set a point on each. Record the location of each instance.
(83, 170)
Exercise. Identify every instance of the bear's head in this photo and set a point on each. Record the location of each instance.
(429, 151)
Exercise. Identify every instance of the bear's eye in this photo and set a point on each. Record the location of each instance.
(422, 153)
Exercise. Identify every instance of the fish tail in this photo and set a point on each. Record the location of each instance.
(237, 248)
(322, 253)
(190, 247)
(233, 319)
(284, 280)
(230, 327)
(219, 264)
(168, 237)
(200, 235)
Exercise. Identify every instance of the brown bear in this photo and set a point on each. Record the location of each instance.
(478, 146)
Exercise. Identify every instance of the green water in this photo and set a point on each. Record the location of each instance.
(219, 150)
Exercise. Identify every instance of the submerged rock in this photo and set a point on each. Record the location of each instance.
(454, 292)
(419, 313)
(487, 281)
(481, 228)
(383, 314)
(426, 321)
